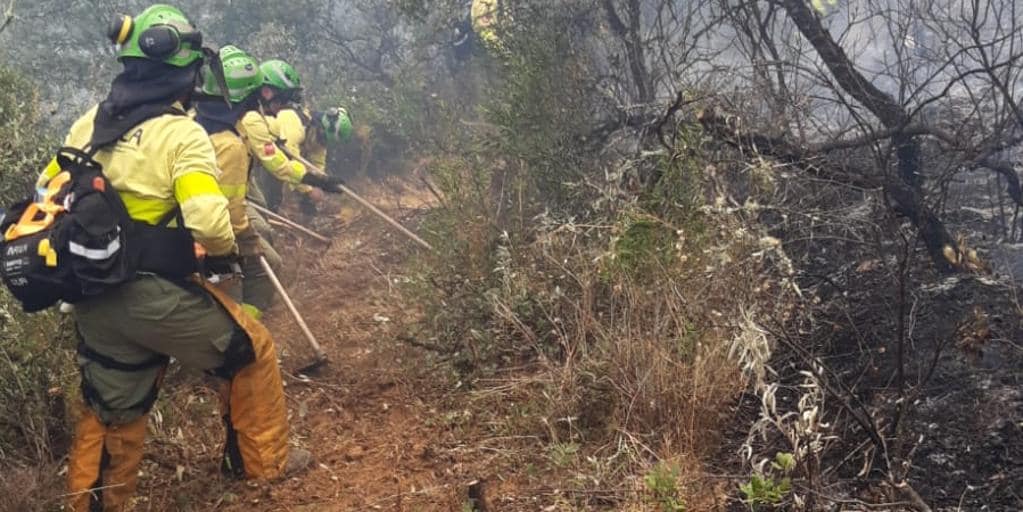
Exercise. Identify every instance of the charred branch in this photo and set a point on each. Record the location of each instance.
(906, 193)
(729, 130)
(629, 32)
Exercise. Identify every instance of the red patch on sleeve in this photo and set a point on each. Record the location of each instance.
(269, 149)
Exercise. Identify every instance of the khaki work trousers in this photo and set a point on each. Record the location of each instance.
(139, 321)
(127, 334)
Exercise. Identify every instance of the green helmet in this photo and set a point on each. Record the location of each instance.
(280, 75)
(336, 124)
(241, 72)
(160, 33)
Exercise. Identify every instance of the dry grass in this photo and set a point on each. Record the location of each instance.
(30, 489)
(630, 340)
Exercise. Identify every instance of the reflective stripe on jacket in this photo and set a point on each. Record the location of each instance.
(163, 162)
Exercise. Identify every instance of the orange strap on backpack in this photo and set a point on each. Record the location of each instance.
(40, 214)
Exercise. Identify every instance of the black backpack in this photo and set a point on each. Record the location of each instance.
(78, 241)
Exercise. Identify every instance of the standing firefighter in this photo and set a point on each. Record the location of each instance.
(487, 17)
(282, 87)
(243, 80)
(163, 169)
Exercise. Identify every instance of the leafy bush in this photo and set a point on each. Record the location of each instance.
(36, 369)
(24, 146)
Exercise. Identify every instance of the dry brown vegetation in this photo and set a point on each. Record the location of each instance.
(707, 255)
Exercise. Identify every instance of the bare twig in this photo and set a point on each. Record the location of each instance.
(8, 16)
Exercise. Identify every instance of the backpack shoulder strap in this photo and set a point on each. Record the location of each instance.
(307, 120)
(175, 111)
(173, 215)
(74, 152)
(86, 153)
(70, 158)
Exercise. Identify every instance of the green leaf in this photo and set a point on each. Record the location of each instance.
(784, 461)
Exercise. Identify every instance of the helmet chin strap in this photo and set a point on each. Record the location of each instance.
(266, 107)
(213, 58)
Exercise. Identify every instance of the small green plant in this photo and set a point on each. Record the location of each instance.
(644, 245)
(770, 490)
(662, 482)
(562, 454)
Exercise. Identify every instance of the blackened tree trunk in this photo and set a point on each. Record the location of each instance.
(905, 189)
(629, 31)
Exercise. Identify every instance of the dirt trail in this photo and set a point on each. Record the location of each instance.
(366, 417)
(387, 425)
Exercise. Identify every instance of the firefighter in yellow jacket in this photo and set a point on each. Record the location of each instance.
(163, 166)
(307, 133)
(221, 121)
(282, 88)
(487, 17)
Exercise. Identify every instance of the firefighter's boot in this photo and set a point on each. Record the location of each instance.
(104, 464)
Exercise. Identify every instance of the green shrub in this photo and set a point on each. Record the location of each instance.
(769, 490)
(644, 246)
(24, 147)
(36, 367)
(662, 483)
(36, 373)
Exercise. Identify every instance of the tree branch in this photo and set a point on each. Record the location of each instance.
(632, 39)
(906, 193)
(8, 16)
(729, 130)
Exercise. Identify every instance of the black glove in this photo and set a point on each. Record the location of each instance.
(324, 183)
(220, 265)
(249, 243)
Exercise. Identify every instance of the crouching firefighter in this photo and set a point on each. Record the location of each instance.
(282, 88)
(307, 134)
(137, 181)
(220, 120)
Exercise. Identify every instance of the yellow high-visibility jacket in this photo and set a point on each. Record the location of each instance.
(233, 160)
(163, 162)
(261, 134)
(486, 15)
(299, 140)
